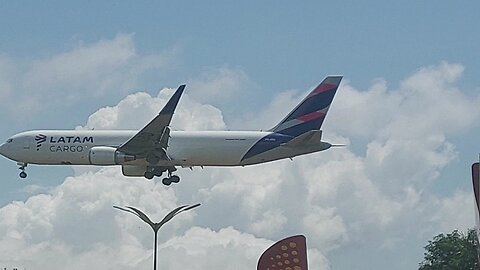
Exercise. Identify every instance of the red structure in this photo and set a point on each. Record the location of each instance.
(476, 191)
(476, 185)
(287, 254)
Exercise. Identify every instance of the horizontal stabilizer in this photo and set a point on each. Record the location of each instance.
(306, 139)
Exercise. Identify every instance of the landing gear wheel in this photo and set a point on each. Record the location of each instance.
(148, 175)
(175, 179)
(158, 171)
(167, 181)
(22, 167)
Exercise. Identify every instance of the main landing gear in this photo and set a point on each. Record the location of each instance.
(169, 180)
(158, 171)
(154, 171)
(22, 167)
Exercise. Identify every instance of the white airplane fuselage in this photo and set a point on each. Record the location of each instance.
(186, 148)
(155, 149)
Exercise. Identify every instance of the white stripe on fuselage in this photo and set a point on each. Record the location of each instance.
(186, 148)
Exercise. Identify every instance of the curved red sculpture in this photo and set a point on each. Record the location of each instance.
(287, 254)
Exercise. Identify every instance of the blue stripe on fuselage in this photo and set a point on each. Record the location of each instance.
(266, 143)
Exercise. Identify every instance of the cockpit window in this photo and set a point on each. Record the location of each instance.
(10, 140)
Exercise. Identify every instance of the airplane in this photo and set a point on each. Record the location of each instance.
(157, 149)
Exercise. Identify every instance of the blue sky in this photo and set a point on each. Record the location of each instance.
(378, 39)
(60, 63)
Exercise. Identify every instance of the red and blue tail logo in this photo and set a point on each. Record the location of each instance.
(311, 112)
(307, 116)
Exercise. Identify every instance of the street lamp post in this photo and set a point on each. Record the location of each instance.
(156, 226)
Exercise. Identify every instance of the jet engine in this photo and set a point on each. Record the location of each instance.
(106, 155)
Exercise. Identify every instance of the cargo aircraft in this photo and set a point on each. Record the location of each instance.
(157, 149)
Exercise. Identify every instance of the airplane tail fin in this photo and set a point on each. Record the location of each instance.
(310, 113)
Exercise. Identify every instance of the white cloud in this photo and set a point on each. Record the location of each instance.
(207, 249)
(76, 224)
(326, 227)
(376, 105)
(136, 110)
(379, 201)
(426, 104)
(86, 71)
(279, 107)
(271, 223)
(6, 74)
(449, 208)
(82, 64)
(218, 84)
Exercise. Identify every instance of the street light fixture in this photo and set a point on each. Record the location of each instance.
(156, 226)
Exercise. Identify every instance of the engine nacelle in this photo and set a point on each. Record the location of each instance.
(133, 170)
(106, 155)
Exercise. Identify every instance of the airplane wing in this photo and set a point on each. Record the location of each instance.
(152, 140)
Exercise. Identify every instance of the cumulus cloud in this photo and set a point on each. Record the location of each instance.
(83, 63)
(279, 107)
(218, 84)
(74, 226)
(428, 103)
(378, 200)
(86, 71)
(136, 110)
(6, 74)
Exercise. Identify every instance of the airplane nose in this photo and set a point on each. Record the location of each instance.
(4, 149)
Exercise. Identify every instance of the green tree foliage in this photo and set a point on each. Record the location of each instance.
(454, 251)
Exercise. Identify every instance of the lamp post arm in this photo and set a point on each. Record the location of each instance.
(175, 212)
(191, 207)
(126, 210)
(142, 216)
(137, 213)
(170, 215)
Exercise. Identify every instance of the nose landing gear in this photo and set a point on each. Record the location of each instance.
(22, 167)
